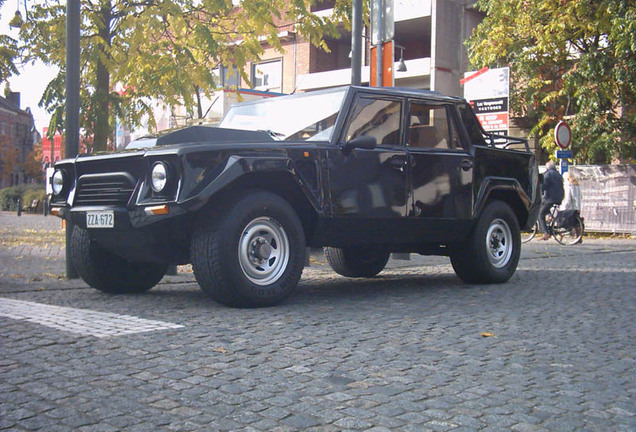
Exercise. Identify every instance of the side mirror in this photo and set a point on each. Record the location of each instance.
(366, 142)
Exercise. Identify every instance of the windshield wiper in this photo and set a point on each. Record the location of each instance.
(276, 135)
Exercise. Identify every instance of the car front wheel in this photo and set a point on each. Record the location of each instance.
(491, 254)
(250, 252)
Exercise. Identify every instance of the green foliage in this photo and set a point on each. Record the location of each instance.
(26, 193)
(164, 50)
(33, 192)
(572, 59)
(8, 55)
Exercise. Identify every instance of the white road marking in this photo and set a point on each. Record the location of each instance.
(80, 321)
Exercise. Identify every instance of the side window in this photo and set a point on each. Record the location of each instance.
(377, 118)
(472, 125)
(431, 127)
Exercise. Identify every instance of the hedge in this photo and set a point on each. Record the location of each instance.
(27, 193)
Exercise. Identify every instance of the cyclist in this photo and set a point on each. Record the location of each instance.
(573, 197)
(552, 194)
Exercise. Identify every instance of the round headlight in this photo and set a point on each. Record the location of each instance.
(57, 182)
(159, 176)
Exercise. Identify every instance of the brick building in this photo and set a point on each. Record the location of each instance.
(17, 137)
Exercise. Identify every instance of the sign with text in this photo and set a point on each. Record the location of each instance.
(488, 91)
(494, 122)
(490, 105)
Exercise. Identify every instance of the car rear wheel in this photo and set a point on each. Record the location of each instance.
(492, 252)
(110, 273)
(250, 252)
(357, 262)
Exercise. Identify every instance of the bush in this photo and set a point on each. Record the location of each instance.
(27, 193)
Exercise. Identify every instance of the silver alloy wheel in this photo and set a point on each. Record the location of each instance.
(263, 251)
(499, 243)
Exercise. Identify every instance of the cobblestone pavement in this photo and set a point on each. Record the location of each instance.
(412, 350)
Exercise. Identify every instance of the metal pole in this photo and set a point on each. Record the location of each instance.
(380, 44)
(356, 43)
(72, 105)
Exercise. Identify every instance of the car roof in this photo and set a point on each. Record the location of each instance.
(408, 92)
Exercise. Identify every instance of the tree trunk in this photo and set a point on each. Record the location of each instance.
(101, 128)
(197, 92)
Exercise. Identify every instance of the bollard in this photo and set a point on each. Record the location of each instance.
(45, 206)
(19, 207)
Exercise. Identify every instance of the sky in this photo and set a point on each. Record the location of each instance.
(33, 78)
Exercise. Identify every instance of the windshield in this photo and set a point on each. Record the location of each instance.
(304, 117)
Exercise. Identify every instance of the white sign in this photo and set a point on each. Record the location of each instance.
(488, 91)
(382, 21)
(49, 174)
(487, 84)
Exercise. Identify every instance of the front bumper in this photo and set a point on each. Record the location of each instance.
(125, 219)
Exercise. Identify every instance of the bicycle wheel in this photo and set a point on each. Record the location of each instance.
(569, 236)
(526, 236)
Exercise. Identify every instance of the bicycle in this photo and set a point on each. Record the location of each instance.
(566, 226)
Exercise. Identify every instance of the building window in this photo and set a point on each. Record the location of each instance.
(227, 77)
(267, 75)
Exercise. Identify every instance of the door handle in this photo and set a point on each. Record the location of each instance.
(466, 164)
(398, 162)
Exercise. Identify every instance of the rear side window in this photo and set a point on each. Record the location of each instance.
(377, 118)
(430, 126)
(472, 125)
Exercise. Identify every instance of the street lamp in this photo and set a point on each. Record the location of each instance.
(401, 66)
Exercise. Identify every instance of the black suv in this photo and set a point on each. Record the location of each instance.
(362, 172)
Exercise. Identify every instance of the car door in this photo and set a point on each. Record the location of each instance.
(369, 188)
(441, 171)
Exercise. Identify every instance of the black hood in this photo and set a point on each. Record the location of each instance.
(200, 134)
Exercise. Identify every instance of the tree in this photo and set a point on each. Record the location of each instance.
(8, 160)
(164, 49)
(8, 55)
(32, 166)
(572, 59)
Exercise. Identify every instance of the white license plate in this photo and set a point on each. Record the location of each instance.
(100, 219)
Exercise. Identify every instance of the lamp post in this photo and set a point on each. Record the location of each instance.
(72, 105)
(356, 43)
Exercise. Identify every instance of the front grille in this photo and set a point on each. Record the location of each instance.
(112, 189)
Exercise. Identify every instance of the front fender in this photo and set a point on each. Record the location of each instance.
(207, 185)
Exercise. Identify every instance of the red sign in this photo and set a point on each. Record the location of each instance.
(563, 135)
(494, 121)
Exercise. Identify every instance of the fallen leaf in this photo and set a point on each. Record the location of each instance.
(220, 350)
(488, 334)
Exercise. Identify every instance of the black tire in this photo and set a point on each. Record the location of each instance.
(568, 236)
(110, 273)
(492, 252)
(359, 262)
(250, 252)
